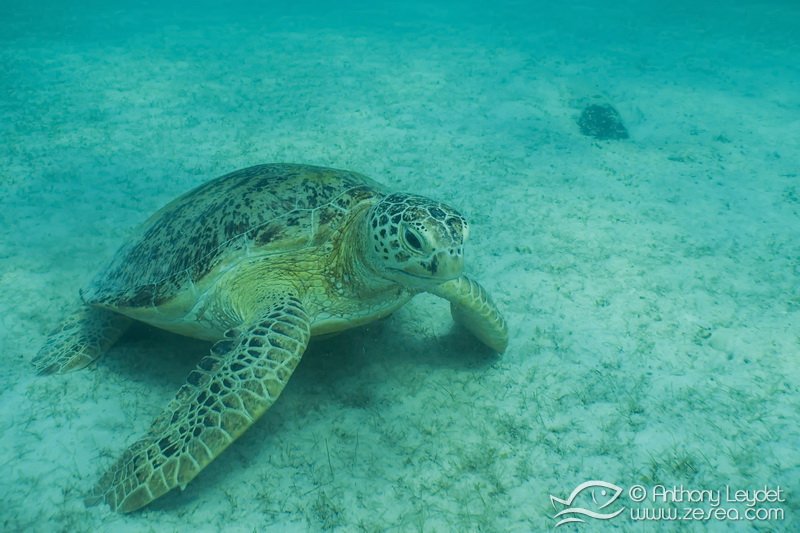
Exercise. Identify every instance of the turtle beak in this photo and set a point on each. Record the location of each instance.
(446, 266)
(440, 267)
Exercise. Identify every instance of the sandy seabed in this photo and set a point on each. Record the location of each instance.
(651, 285)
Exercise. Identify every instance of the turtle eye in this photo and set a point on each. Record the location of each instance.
(412, 240)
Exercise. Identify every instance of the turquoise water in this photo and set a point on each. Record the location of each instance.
(651, 284)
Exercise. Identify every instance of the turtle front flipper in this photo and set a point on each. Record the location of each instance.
(227, 392)
(81, 338)
(472, 307)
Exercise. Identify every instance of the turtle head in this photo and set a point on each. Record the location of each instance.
(415, 241)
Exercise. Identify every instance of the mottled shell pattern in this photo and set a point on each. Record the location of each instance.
(288, 208)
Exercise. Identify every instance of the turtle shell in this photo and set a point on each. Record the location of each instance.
(275, 208)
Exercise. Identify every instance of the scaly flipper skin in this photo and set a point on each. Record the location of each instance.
(227, 392)
(472, 307)
(81, 338)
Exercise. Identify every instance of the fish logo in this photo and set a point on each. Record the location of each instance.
(608, 492)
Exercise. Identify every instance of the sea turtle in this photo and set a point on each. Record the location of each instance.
(259, 261)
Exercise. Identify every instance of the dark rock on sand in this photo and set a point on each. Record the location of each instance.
(603, 122)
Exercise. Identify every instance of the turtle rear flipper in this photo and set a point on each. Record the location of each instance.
(82, 337)
(227, 392)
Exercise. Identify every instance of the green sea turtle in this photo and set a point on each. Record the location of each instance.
(259, 261)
